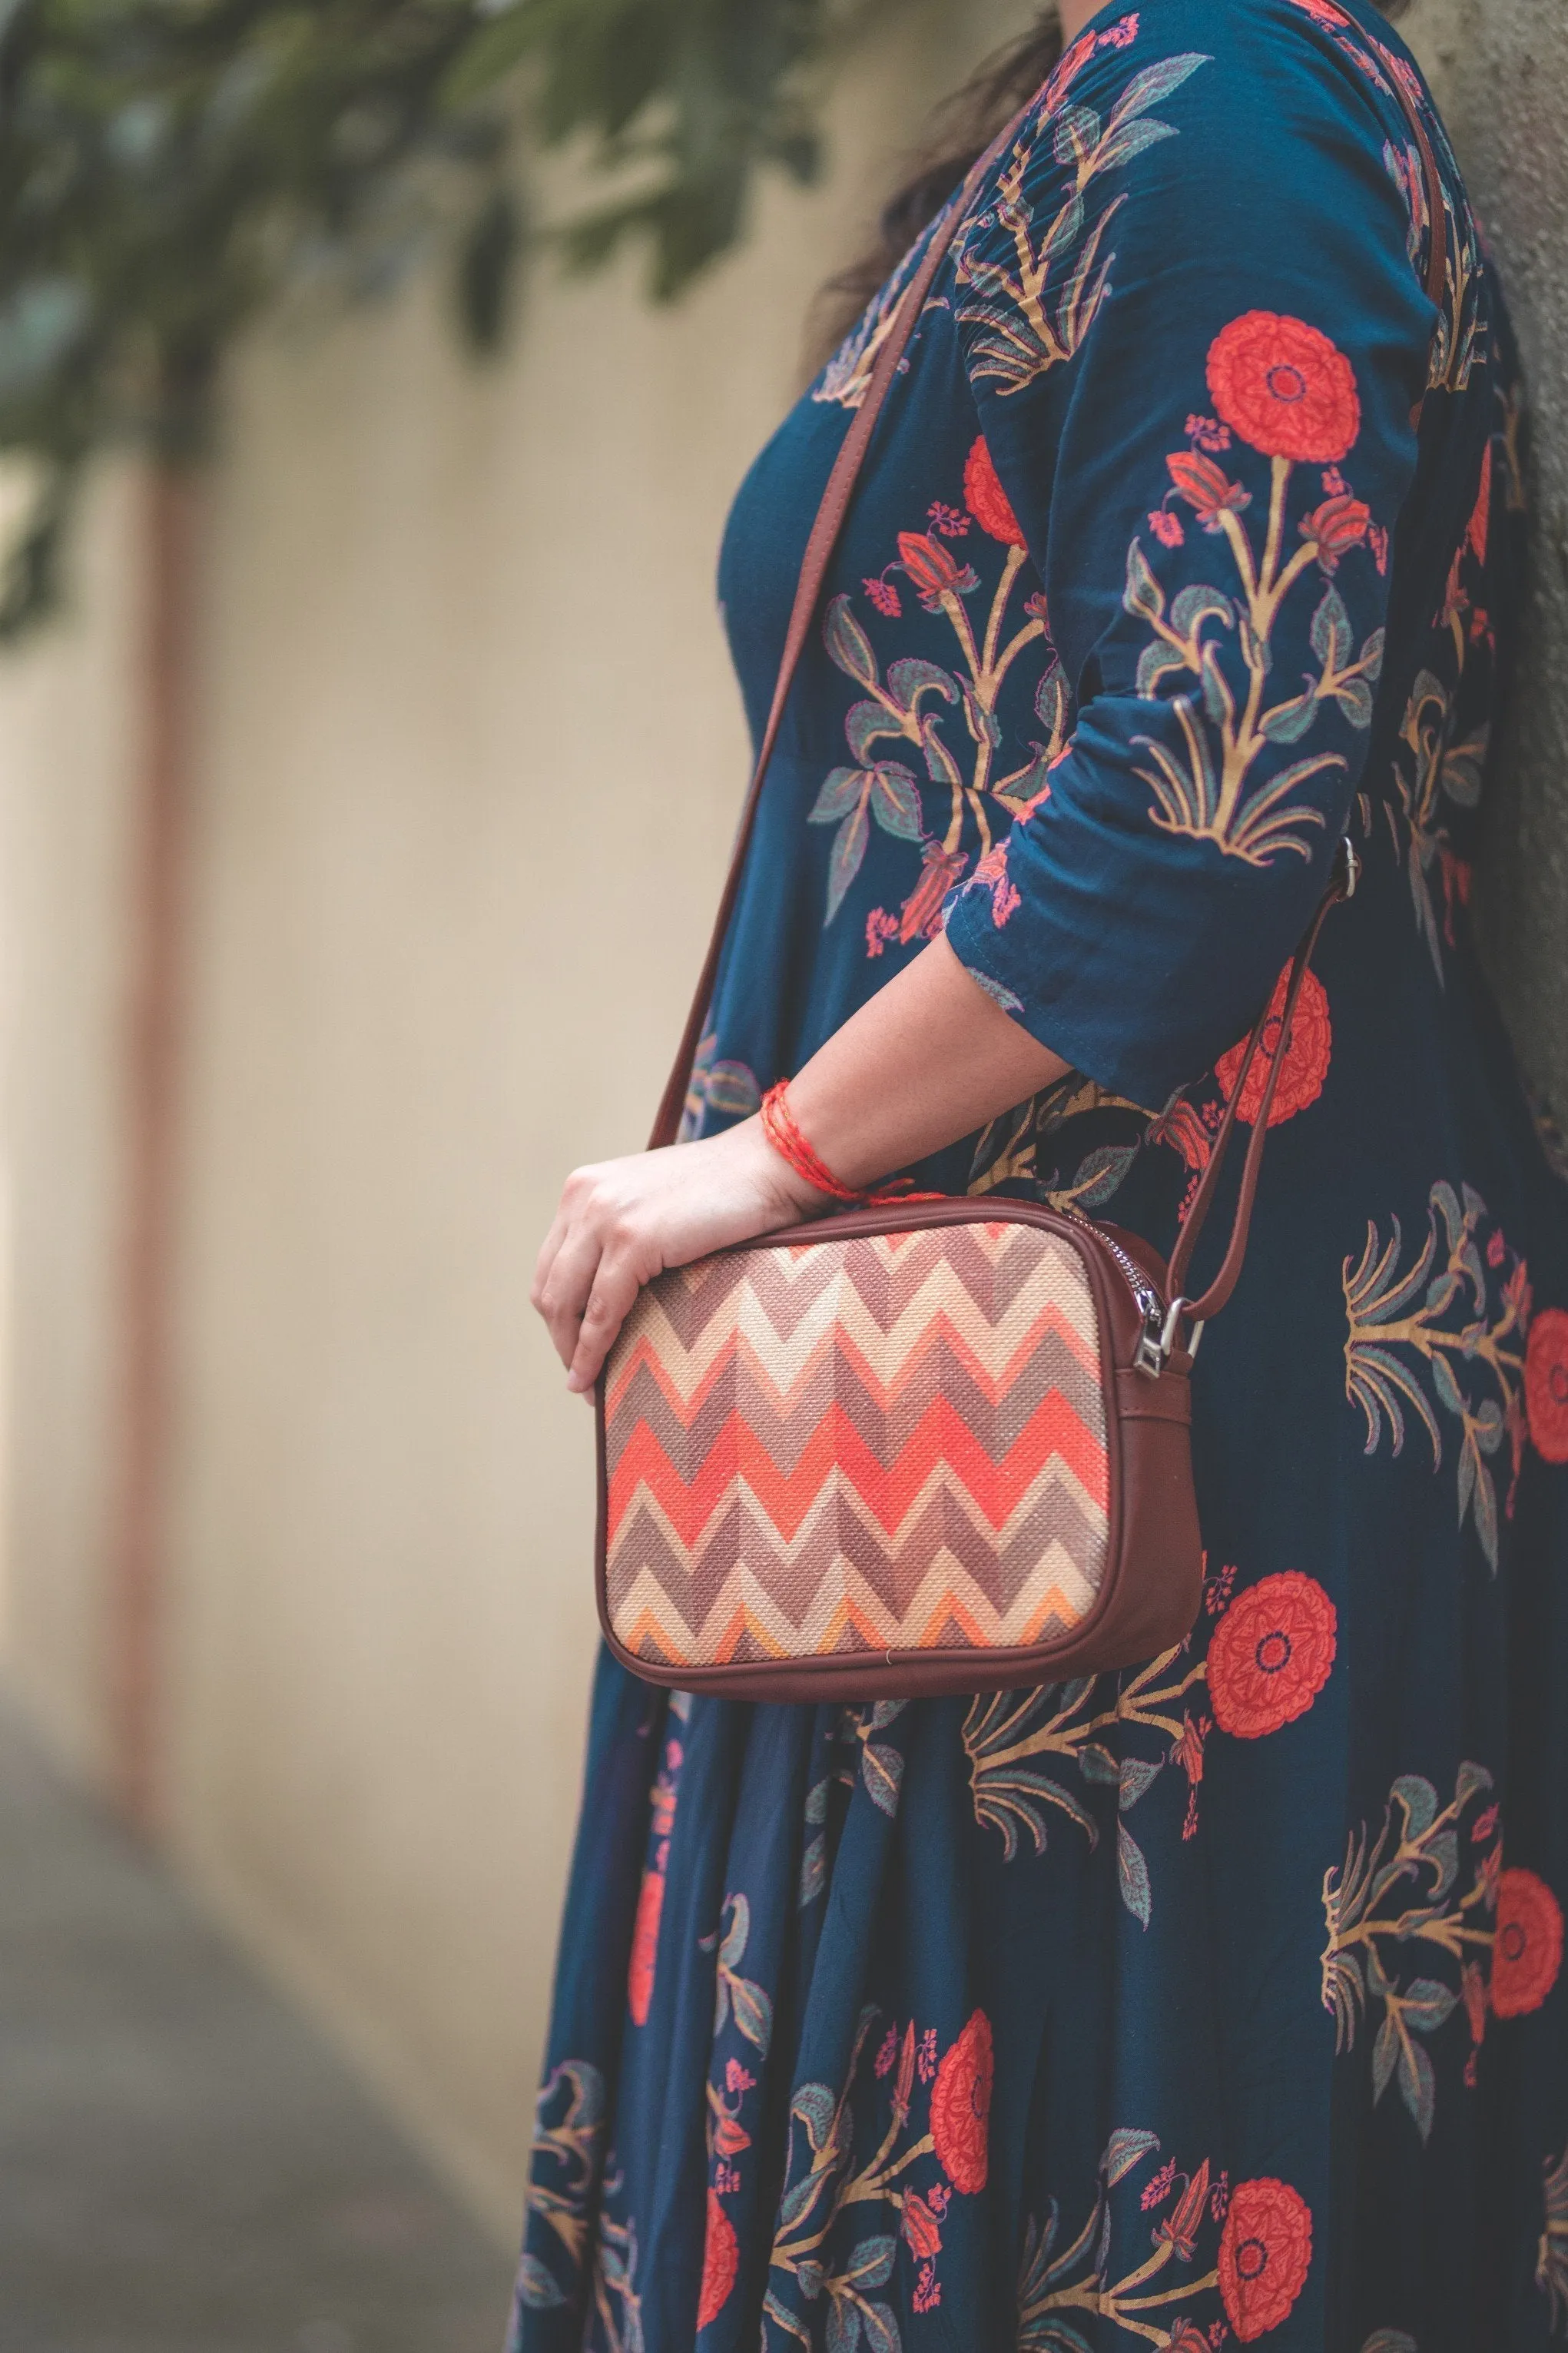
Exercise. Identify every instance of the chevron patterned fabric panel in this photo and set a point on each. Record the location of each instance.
(895, 1443)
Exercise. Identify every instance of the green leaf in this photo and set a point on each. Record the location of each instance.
(1288, 722)
(1384, 2055)
(1198, 602)
(1137, 1773)
(848, 853)
(813, 1871)
(1132, 1873)
(1119, 147)
(882, 1770)
(732, 1950)
(1098, 1764)
(1419, 2085)
(1126, 2149)
(1143, 593)
(754, 2012)
(1154, 83)
(1427, 2004)
(537, 2288)
(1418, 1798)
(1331, 639)
(847, 644)
(872, 2263)
(896, 801)
(1100, 1172)
(1077, 133)
(816, 2107)
(881, 2330)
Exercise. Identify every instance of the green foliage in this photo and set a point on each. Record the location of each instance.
(168, 166)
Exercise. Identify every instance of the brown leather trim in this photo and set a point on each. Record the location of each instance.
(1152, 1519)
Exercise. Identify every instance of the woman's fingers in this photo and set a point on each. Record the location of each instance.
(568, 1286)
(616, 1287)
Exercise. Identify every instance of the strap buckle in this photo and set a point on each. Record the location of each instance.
(1157, 1343)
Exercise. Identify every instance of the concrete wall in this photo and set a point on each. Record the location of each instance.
(467, 756)
(68, 740)
(1502, 69)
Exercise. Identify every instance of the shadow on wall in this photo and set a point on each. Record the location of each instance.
(1501, 70)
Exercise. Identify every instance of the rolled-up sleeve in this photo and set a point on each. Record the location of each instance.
(1197, 346)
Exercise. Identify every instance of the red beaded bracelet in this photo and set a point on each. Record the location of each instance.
(780, 1127)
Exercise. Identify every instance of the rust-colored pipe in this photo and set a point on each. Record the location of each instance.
(156, 972)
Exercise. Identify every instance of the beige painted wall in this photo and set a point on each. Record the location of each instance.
(469, 754)
(68, 735)
(468, 757)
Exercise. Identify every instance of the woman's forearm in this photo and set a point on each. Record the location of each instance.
(927, 1059)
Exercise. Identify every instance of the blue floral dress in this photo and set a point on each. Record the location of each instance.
(1219, 1999)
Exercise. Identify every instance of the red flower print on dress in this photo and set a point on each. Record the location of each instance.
(1306, 1063)
(934, 570)
(1265, 2254)
(1546, 1384)
(986, 500)
(1527, 1952)
(1480, 515)
(645, 1946)
(1284, 387)
(921, 2226)
(1271, 1654)
(885, 597)
(720, 2262)
(1167, 527)
(1208, 487)
(961, 2107)
(1340, 524)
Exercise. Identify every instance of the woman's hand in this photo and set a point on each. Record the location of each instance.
(621, 1222)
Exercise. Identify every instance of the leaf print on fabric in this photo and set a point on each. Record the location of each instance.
(1288, 392)
(1390, 2340)
(841, 2222)
(1032, 293)
(1397, 1892)
(1005, 1736)
(563, 2179)
(1432, 769)
(1257, 2273)
(717, 1084)
(1470, 1344)
(915, 701)
(750, 2003)
(617, 2299)
(1552, 2251)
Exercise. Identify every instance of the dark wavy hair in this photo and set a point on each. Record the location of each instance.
(962, 128)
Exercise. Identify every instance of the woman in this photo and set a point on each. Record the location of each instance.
(1206, 1999)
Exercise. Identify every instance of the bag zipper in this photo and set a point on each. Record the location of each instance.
(1152, 1350)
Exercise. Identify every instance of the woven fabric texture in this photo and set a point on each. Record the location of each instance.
(894, 1442)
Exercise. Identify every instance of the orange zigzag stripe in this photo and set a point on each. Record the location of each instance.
(993, 1386)
(1054, 1429)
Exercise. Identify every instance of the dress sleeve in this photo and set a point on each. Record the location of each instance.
(1197, 346)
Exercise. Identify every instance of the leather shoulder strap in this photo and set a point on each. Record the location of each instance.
(819, 549)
